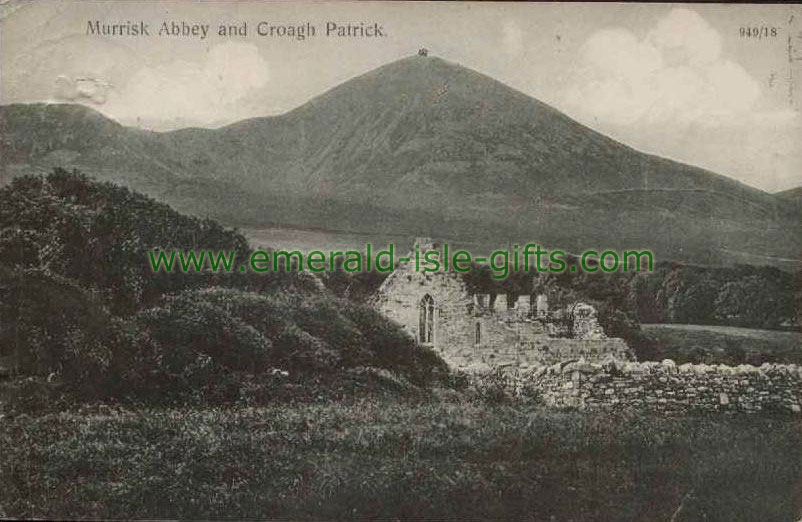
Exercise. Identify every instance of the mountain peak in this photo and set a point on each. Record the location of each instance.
(430, 88)
(424, 146)
(422, 71)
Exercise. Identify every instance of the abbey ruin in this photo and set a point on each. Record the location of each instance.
(478, 331)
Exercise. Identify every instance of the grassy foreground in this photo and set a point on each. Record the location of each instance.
(390, 458)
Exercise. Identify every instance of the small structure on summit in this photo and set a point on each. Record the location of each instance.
(423, 51)
(475, 331)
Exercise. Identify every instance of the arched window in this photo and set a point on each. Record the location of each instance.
(426, 327)
(477, 334)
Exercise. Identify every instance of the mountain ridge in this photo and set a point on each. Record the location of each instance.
(794, 193)
(420, 145)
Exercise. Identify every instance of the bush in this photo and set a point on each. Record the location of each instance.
(319, 333)
(201, 348)
(60, 331)
(47, 320)
(302, 352)
(98, 235)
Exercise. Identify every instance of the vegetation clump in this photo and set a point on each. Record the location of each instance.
(81, 308)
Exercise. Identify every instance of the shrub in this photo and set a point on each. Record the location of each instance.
(301, 351)
(319, 333)
(98, 235)
(324, 317)
(47, 319)
(60, 331)
(200, 345)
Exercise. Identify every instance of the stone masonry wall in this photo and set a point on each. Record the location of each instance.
(534, 352)
(666, 387)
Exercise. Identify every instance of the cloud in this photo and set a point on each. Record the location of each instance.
(674, 73)
(687, 37)
(673, 92)
(193, 92)
(90, 90)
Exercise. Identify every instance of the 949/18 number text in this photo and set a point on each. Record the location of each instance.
(759, 31)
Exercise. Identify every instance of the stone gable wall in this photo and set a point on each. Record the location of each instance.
(400, 294)
(666, 387)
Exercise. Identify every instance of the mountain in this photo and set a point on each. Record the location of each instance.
(423, 146)
(38, 137)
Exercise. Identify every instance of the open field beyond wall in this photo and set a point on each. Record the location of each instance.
(689, 343)
(440, 457)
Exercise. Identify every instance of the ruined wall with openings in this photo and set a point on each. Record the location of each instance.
(479, 331)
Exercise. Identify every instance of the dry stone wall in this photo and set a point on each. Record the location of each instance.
(666, 387)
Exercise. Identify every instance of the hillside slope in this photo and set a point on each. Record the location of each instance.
(794, 194)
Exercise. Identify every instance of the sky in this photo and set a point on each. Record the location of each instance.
(682, 81)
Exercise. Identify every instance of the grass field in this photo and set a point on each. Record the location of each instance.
(723, 344)
(442, 458)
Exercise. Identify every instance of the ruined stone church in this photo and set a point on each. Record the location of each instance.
(476, 331)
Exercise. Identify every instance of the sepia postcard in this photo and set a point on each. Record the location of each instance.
(274, 260)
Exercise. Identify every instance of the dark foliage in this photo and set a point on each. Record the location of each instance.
(743, 295)
(99, 234)
(82, 309)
